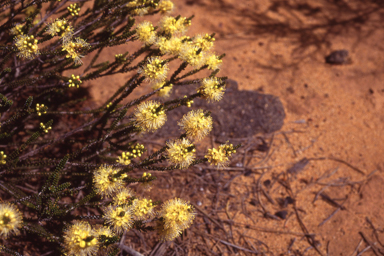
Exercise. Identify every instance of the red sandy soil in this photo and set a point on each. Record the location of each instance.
(279, 48)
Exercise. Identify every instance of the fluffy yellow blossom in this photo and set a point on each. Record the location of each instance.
(213, 62)
(149, 116)
(165, 6)
(204, 42)
(177, 213)
(143, 209)
(105, 180)
(74, 48)
(17, 30)
(81, 240)
(10, 220)
(123, 196)
(104, 234)
(155, 70)
(170, 46)
(27, 46)
(181, 152)
(196, 124)
(211, 89)
(219, 157)
(165, 91)
(192, 54)
(120, 217)
(171, 25)
(62, 28)
(146, 33)
(167, 234)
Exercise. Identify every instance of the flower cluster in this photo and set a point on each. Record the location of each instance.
(41, 109)
(126, 157)
(155, 70)
(176, 216)
(74, 48)
(10, 219)
(74, 9)
(81, 240)
(219, 157)
(196, 124)
(181, 152)
(60, 27)
(3, 157)
(107, 180)
(149, 116)
(27, 46)
(212, 89)
(74, 81)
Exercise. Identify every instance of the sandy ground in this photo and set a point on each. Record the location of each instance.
(335, 111)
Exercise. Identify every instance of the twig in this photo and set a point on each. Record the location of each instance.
(238, 247)
(357, 247)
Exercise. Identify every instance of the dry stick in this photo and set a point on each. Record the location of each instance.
(357, 247)
(130, 250)
(363, 251)
(209, 217)
(374, 230)
(340, 161)
(375, 250)
(238, 247)
(310, 239)
(268, 230)
(330, 216)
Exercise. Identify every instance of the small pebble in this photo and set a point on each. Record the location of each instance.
(282, 214)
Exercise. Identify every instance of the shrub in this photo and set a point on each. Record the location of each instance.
(58, 161)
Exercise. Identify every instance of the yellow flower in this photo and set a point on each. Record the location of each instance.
(106, 182)
(177, 213)
(17, 30)
(211, 89)
(62, 28)
(155, 70)
(170, 46)
(81, 240)
(219, 157)
(10, 220)
(213, 62)
(139, 11)
(165, 6)
(74, 48)
(123, 196)
(204, 42)
(192, 54)
(171, 25)
(181, 152)
(120, 217)
(3, 157)
(196, 124)
(149, 116)
(167, 234)
(74, 9)
(104, 234)
(164, 91)
(27, 46)
(143, 209)
(74, 81)
(146, 33)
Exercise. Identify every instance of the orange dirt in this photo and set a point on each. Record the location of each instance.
(279, 48)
